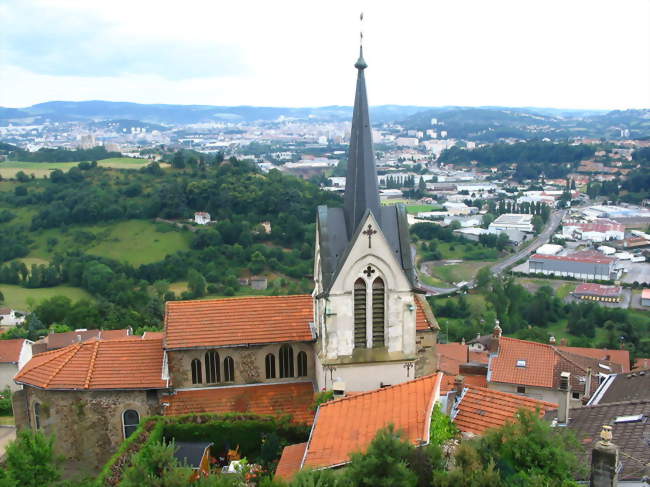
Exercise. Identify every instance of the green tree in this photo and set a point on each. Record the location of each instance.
(483, 277)
(31, 461)
(155, 466)
(502, 242)
(196, 283)
(538, 223)
(2, 297)
(385, 463)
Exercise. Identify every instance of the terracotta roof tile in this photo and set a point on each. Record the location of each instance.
(260, 319)
(621, 357)
(10, 350)
(481, 408)
(448, 382)
(349, 424)
(295, 398)
(126, 363)
(153, 334)
(539, 369)
(233, 321)
(290, 461)
(60, 340)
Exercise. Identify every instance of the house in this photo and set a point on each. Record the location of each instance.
(365, 326)
(598, 292)
(54, 341)
(543, 371)
(201, 218)
(14, 354)
(10, 317)
(645, 297)
(347, 425)
(586, 264)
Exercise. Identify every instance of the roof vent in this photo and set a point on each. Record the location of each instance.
(634, 418)
(338, 388)
(521, 363)
(564, 380)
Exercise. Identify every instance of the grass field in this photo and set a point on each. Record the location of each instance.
(464, 271)
(8, 169)
(415, 209)
(17, 297)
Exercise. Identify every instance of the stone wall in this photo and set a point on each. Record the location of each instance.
(87, 424)
(249, 364)
(427, 360)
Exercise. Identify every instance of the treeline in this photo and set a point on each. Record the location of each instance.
(533, 158)
(62, 155)
(637, 183)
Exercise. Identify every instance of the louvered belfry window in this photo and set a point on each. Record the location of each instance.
(212, 372)
(360, 314)
(378, 312)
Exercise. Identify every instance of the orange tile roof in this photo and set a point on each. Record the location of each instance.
(448, 382)
(234, 321)
(422, 322)
(260, 319)
(295, 398)
(290, 461)
(481, 408)
(153, 334)
(10, 350)
(621, 357)
(125, 363)
(540, 360)
(350, 424)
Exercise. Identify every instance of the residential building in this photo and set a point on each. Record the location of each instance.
(581, 265)
(513, 221)
(14, 354)
(201, 218)
(10, 317)
(598, 292)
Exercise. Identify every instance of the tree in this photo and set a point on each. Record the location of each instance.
(2, 297)
(385, 462)
(178, 162)
(538, 223)
(31, 461)
(196, 283)
(483, 277)
(502, 242)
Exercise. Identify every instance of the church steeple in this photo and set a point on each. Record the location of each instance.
(361, 192)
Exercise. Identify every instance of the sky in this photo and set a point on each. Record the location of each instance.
(582, 54)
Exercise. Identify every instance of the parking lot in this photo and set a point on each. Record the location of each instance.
(636, 272)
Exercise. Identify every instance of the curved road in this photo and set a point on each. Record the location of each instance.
(554, 221)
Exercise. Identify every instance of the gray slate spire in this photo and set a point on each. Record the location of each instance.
(361, 191)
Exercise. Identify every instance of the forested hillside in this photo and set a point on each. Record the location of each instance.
(99, 230)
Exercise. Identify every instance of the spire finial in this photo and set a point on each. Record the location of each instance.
(361, 63)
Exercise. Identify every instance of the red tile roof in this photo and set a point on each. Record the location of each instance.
(126, 363)
(620, 357)
(592, 289)
(290, 461)
(261, 319)
(448, 382)
(295, 398)
(589, 258)
(452, 355)
(54, 341)
(10, 350)
(645, 294)
(642, 364)
(481, 408)
(233, 321)
(153, 334)
(350, 424)
(540, 360)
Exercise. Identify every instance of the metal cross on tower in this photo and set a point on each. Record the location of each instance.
(370, 232)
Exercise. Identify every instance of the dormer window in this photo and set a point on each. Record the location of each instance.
(521, 363)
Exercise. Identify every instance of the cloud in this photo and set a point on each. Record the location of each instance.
(72, 42)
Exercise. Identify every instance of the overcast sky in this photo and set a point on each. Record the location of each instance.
(550, 53)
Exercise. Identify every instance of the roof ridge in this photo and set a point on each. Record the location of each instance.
(567, 356)
(71, 353)
(545, 345)
(235, 298)
(514, 396)
(375, 391)
(618, 403)
(91, 366)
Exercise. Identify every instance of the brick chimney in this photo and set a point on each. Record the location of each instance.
(565, 398)
(459, 385)
(493, 346)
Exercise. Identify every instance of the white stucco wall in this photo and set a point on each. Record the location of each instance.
(7, 373)
(363, 377)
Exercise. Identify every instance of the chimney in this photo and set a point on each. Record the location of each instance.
(604, 461)
(459, 385)
(493, 346)
(451, 400)
(338, 388)
(588, 382)
(565, 398)
(551, 340)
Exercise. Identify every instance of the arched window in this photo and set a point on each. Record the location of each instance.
(302, 364)
(360, 314)
(197, 372)
(212, 373)
(130, 421)
(37, 415)
(286, 361)
(228, 369)
(269, 361)
(378, 312)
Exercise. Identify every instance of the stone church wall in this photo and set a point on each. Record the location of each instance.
(87, 424)
(427, 361)
(249, 364)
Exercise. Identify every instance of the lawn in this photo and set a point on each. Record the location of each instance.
(8, 169)
(415, 209)
(138, 242)
(464, 271)
(17, 297)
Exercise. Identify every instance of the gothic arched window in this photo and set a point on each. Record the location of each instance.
(228, 369)
(302, 364)
(378, 312)
(286, 361)
(130, 422)
(269, 361)
(212, 372)
(360, 314)
(197, 372)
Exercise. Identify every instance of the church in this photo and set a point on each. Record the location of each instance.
(365, 326)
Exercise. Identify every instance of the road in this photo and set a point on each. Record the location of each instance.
(554, 221)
